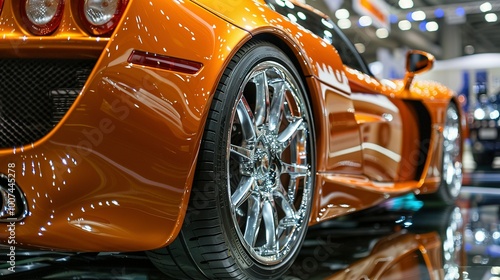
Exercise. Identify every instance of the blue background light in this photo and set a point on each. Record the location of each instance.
(439, 13)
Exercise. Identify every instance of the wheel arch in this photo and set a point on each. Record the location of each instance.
(301, 65)
(430, 181)
(424, 121)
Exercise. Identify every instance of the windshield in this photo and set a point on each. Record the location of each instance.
(325, 29)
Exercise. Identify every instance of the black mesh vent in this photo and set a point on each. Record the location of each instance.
(35, 94)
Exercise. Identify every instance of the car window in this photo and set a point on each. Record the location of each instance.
(325, 29)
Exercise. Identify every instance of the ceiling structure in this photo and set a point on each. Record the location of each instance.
(463, 28)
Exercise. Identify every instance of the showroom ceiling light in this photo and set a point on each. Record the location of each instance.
(404, 25)
(480, 235)
(494, 114)
(432, 26)
(485, 7)
(344, 23)
(439, 13)
(342, 14)
(491, 17)
(423, 26)
(418, 15)
(365, 21)
(496, 235)
(479, 114)
(405, 4)
(469, 49)
(360, 47)
(382, 33)
(460, 11)
(451, 11)
(393, 18)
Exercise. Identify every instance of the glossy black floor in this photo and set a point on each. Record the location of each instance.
(401, 239)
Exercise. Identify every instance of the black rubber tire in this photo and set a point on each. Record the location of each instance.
(208, 246)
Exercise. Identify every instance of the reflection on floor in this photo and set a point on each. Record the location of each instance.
(401, 239)
(393, 242)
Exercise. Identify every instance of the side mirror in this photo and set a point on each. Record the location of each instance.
(417, 62)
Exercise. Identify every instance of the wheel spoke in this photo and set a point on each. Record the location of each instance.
(290, 130)
(243, 191)
(289, 223)
(298, 146)
(270, 222)
(253, 220)
(246, 119)
(295, 170)
(292, 188)
(241, 154)
(276, 104)
(286, 204)
(261, 98)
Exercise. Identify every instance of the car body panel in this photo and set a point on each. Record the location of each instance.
(115, 174)
(420, 90)
(83, 180)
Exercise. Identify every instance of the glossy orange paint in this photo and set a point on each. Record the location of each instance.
(400, 256)
(435, 97)
(115, 174)
(91, 184)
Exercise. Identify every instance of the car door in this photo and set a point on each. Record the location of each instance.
(381, 128)
(378, 116)
(364, 136)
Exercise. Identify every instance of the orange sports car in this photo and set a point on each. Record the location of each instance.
(209, 133)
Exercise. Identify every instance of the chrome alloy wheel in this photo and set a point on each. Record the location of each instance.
(270, 180)
(452, 245)
(452, 148)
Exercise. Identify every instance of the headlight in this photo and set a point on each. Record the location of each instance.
(479, 114)
(100, 17)
(42, 17)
